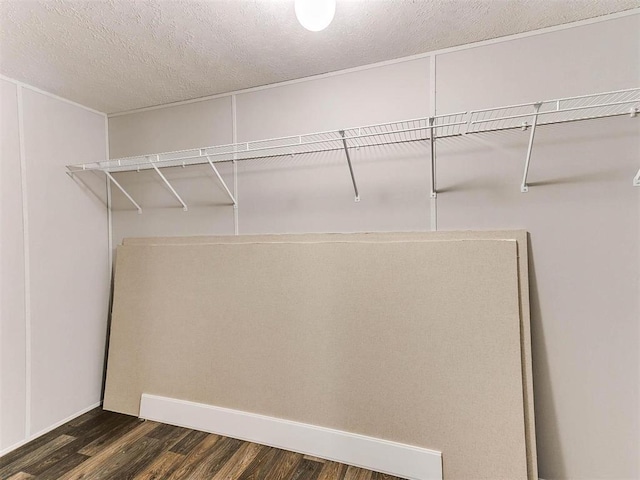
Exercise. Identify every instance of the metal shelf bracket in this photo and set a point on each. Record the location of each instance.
(115, 182)
(524, 116)
(222, 182)
(432, 144)
(353, 178)
(164, 179)
(534, 122)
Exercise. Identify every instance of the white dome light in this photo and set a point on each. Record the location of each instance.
(315, 15)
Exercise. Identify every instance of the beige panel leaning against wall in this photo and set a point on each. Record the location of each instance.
(171, 382)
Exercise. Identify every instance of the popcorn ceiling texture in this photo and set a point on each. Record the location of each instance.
(117, 55)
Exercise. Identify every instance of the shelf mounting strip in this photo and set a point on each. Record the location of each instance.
(522, 116)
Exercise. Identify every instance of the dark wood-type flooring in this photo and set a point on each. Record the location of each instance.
(107, 445)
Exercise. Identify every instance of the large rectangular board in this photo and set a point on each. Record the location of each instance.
(397, 338)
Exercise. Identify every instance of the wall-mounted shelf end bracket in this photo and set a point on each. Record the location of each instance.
(72, 173)
(353, 178)
(534, 122)
(164, 179)
(115, 182)
(222, 182)
(432, 144)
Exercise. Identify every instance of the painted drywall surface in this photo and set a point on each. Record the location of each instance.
(517, 72)
(384, 94)
(315, 193)
(68, 257)
(579, 61)
(583, 216)
(12, 307)
(180, 127)
(284, 196)
(210, 209)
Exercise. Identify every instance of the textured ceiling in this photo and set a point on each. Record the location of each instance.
(119, 55)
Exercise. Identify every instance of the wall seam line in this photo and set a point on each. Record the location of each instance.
(432, 112)
(109, 217)
(234, 138)
(26, 260)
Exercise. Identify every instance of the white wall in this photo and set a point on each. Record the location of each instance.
(583, 216)
(202, 123)
(55, 273)
(12, 305)
(582, 212)
(315, 194)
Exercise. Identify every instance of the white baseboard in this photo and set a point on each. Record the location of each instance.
(393, 458)
(48, 429)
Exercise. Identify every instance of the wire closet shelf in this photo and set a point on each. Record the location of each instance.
(526, 116)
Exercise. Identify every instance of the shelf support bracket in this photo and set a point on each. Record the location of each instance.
(353, 178)
(432, 144)
(224, 185)
(115, 182)
(164, 179)
(636, 179)
(534, 122)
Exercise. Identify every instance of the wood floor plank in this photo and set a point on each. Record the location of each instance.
(355, 473)
(383, 476)
(168, 435)
(110, 418)
(314, 459)
(224, 449)
(39, 453)
(101, 445)
(165, 431)
(96, 412)
(20, 476)
(87, 468)
(107, 427)
(65, 465)
(129, 460)
(162, 467)
(332, 471)
(33, 445)
(239, 462)
(307, 470)
(285, 466)
(91, 423)
(193, 459)
(261, 465)
(187, 444)
(119, 428)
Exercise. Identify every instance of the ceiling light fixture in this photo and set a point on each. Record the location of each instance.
(315, 15)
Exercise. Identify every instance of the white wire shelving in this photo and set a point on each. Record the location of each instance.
(526, 116)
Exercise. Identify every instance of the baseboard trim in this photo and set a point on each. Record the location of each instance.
(392, 458)
(48, 429)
